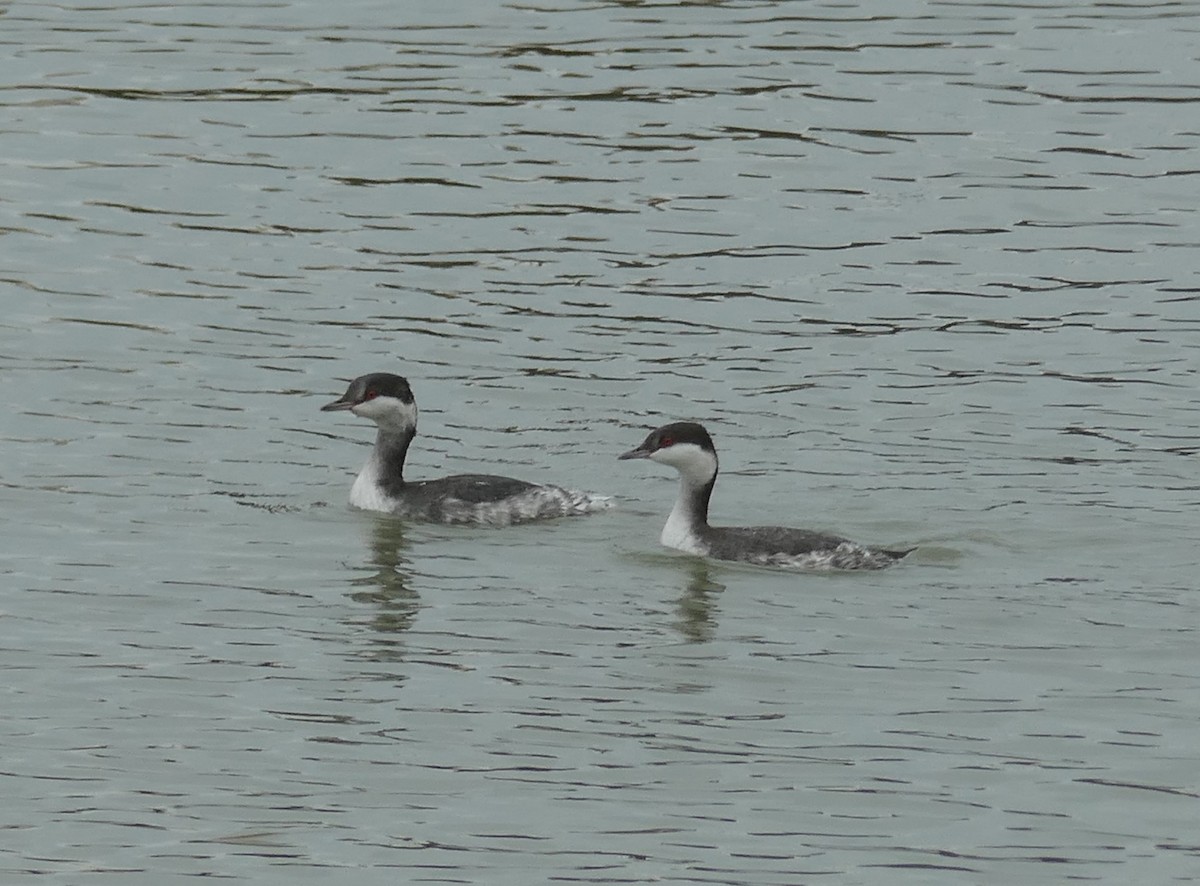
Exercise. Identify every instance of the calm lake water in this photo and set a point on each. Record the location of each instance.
(928, 271)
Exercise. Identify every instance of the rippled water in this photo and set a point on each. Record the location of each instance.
(927, 271)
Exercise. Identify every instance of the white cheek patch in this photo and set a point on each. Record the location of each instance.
(689, 459)
(388, 412)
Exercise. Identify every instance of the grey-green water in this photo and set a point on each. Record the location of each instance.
(928, 272)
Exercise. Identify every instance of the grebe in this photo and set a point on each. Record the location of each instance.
(387, 400)
(687, 447)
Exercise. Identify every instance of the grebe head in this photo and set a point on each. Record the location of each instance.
(384, 398)
(684, 446)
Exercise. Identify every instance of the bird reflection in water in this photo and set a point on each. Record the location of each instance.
(697, 606)
(387, 586)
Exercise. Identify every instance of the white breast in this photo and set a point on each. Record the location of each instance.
(366, 492)
(680, 534)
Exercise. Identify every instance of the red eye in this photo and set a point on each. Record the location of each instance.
(664, 442)
(371, 394)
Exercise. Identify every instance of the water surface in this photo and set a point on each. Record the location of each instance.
(928, 274)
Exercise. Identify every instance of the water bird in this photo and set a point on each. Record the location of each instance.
(687, 447)
(388, 401)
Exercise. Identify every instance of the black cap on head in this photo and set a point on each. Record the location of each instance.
(368, 387)
(670, 435)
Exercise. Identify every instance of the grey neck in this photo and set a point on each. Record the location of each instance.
(391, 449)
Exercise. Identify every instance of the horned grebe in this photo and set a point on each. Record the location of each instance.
(688, 448)
(387, 400)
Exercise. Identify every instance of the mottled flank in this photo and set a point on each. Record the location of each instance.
(791, 548)
(846, 555)
(482, 499)
(535, 503)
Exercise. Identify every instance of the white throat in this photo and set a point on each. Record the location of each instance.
(696, 467)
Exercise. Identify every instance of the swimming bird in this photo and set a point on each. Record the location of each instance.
(687, 447)
(388, 401)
